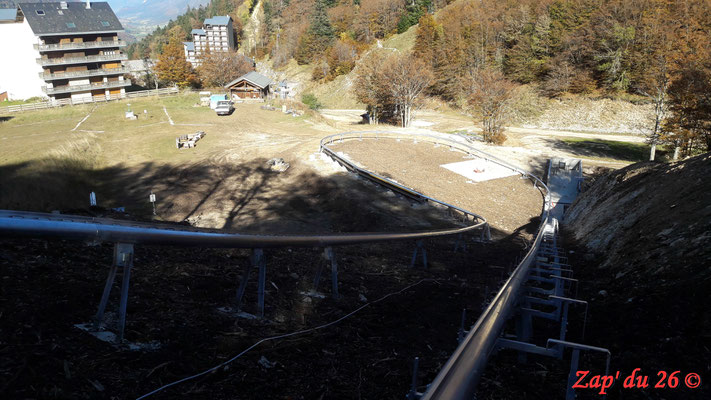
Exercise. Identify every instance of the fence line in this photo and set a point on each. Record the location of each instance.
(94, 99)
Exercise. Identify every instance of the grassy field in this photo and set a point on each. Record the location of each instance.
(609, 149)
(52, 159)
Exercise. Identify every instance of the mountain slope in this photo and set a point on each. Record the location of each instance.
(644, 236)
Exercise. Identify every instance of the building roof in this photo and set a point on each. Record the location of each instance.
(8, 14)
(198, 32)
(50, 18)
(254, 78)
(218, 20)
(189, 46)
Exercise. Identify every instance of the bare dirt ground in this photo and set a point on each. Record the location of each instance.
(506, 203)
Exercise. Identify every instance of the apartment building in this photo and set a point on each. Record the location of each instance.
(217, 34)
(64, 50)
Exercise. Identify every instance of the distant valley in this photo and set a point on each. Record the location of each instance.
(139, 17)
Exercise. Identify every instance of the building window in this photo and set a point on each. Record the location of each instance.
(104, 23)
(40, 12)
(71, 25)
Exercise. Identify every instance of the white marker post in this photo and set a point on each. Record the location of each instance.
(92, 199)
(152, 199)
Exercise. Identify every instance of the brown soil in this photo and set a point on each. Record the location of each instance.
(49, 286)
(506, 203)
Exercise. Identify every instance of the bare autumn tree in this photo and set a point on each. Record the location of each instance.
(220, 68)
(405, 78)
(367, 87)
(490, 96)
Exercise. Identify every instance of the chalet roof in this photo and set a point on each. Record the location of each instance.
(50, 18)
(254, 78)
(218, 20)
(8, 14)
(189, 46)
(198, 32)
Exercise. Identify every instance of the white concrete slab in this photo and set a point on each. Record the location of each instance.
(479, 170)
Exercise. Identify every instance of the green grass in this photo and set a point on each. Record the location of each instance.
(609, 149)
(17, 102)
(45, 164)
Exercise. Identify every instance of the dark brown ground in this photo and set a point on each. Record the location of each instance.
(49, 286)
(506, 203)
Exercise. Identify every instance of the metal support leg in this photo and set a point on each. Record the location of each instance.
(317, 278)
(99, 318)
(461, 242)
(421, 249)
(124, 296)
(413, 394)
(259, 259)
(485, 234)
(243, 284)
(334, 271)
(123, 257)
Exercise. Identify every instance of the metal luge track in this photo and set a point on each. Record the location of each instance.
(71, 227)
(459, 377)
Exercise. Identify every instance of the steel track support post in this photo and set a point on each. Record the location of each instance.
(123, 257)
(328, 252)
(124, 292)
(419, 248)
(524, 329)
(413, 394)
(261, 263)
(243, 284)
(574, 360)
(99, 318)
(461, 242)
(317, 277)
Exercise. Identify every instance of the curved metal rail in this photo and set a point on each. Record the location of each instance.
(458, 379)
(19, 223)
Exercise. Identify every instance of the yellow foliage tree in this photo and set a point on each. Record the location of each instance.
(172, 65)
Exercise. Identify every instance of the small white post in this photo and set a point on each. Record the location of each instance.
(152, 199)
(92, 199)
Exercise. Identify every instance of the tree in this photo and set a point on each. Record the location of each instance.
(490, 96)
(367, 84)
(405, 78)
(318, 37)
(219, 68)
(173, 67)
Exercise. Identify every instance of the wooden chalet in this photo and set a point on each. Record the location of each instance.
(252, 85)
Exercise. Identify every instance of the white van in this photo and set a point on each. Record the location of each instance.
(224, 107)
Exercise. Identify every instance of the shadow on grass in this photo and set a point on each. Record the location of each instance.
(624, 151)
(247, 196)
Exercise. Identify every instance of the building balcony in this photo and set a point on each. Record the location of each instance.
(79, 74)
(85, 88)
(45, 62)
(80, 45)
